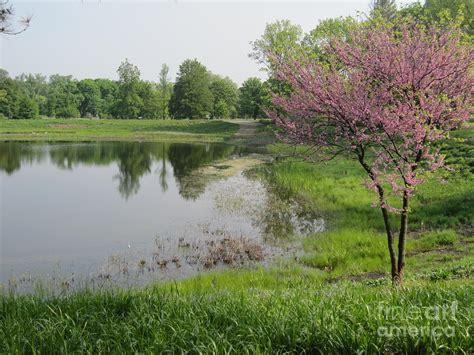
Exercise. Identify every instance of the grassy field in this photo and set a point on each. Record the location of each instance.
(337, 298)
(133, 130)
(245, 312)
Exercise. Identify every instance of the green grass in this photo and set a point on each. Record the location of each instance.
(296, 316)
(93, 130)
(330, 300)
(440, 224)
(355, 240)
(434, 239)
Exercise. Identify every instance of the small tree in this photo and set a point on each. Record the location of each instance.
(129, 104)
(225, 95)
(385, 97)
(165, 88)
(251, 95)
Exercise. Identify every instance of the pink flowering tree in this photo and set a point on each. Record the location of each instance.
(385, 97)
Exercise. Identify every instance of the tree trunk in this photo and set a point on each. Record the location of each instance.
(396, 269)
(388, 230)
(402, 237)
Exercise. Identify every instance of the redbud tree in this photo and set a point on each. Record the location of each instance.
(384, 97)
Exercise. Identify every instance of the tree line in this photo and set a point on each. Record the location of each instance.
(197, 93)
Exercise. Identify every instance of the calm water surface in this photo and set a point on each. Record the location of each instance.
(130, 211)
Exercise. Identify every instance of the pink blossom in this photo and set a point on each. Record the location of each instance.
(385, 97)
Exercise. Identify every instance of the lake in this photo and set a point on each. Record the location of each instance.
(129, 212)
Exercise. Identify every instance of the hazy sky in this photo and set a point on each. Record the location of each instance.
(90, 39)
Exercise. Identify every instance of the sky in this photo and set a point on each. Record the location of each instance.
(89, 39)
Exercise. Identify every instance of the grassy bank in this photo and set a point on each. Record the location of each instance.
(441, 223)
(133, 130)
(203, 316)
(336, 298)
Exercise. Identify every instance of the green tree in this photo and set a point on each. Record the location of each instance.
(27, 108)
(314, 42)
(150, 98)
(221, 110)
(386, 9)
(192, 97)
(251, 98)
(108, 96)
(15, 101)
(128, 104)
(458, 13)
(462, 10)
(63, 97)
(225, 97)
(90, 98)
(10, 96)
(280, 37)
(165, 89)
(3, 100)
(285, 41)
(36, 87)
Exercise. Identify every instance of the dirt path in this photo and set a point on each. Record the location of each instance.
(248, 133)
(247, 129)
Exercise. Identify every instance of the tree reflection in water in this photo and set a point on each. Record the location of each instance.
(133, 159)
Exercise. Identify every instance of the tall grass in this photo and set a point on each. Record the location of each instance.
(336, 318)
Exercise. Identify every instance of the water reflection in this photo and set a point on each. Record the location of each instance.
(70, 205)
(133, 159)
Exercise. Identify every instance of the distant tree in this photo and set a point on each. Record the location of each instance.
(225, 95)
(285, 41)
(316, 40)
(8, 24)
(129, 104)
(221, 110)
(108, 96)
(27, 108)
(36, 87)
(439, 10)
(151, 100)
(442, 13)
(3, 101)
(15, 100)
(251, 95)
(3, 74)
(192, 97)
(386, 98)
(165, 89)
(89, 105)
(281, 38)
(11, 94)
(386, 9)
(63, 97)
